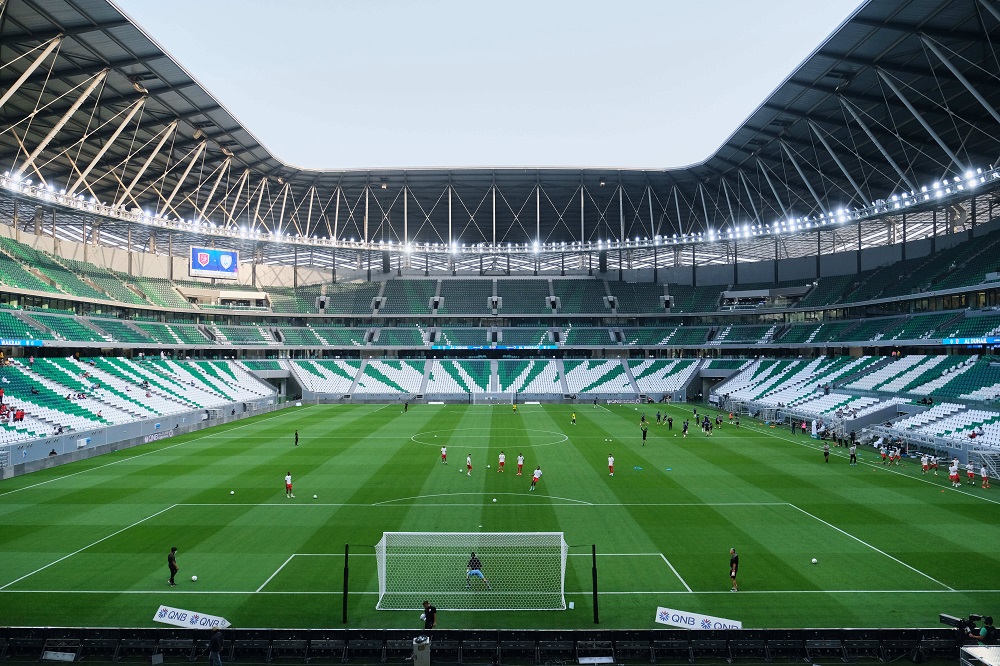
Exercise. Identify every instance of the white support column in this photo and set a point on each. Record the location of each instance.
(729, 204)
(114, 137)
(180, 182)
(583, 233)
(538, 213)
(920, 119)
(704, 206)
(367, 190)
(145, 165)
(309, 211)
(451, 240)
(96, 81)
(223, 168)
(239, 194)
(336, 221)
(406, 217)
(652, 224)
(281, 215)
(31, 68)
(260, 196)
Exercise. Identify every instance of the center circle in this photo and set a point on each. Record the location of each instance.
(480, 438)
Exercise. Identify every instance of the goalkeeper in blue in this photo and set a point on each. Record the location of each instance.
(474, 569)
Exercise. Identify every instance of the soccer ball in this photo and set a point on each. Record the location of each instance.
(422, 617)
(315, 496)
(487, 467)
(194, 579)
(494, 500)
(232, 492)
(815, 560)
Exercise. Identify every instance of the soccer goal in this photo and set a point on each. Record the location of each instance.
(520, 570)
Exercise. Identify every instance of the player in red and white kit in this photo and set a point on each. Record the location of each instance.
(468, 464)
(953, 475)
(444, 454)
(520, 463)
(924, 463)
(537, 474)
(288, 485)
(501, 459)
(970, 472)
(611, 465)
(986, 476)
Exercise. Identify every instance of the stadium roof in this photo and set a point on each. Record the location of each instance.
(904, 93)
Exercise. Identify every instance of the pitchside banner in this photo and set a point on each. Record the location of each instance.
(679, 618)
(206, 262)
(185, 618)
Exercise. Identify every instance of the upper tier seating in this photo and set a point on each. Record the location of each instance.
(527, 337)
(173, 334)
(261, 365)
(12, 326)
(409, 296)
(69, 328)
(120, 330)
(351, 298)
(294, 300)
(47, 265)
(580, 296)
(917, 327)
(466, 296)
(105, 280)
(159, 291)
(583, 336)
(828, 290)
(695, 299)
(336, 336)
(463, 337)
(639, 298)
(524, 296)
(401, 336)
(300, 336)
(249, 334)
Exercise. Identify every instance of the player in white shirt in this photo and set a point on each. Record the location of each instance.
(444, 454)
(520, 463)
(468, 465)
(934, 464)
(924, 462)
(611, 465)
(288, 485)
(501, 459)
(986, 476)
(953, 475)
(537, 474)
(970, 472)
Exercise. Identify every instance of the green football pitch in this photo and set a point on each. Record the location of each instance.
(85, 544)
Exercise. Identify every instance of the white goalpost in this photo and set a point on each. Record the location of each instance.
(520, 570)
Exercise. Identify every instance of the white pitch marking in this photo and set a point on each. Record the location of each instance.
(686, 586)
(418, 497)
(276, 572)
(578, 593)
(877, 550)
(88, 546)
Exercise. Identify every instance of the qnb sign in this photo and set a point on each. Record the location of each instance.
(687, 620)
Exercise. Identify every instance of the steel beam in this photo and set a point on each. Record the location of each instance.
(847, 174)
(167, 131)
(802, 175)
(96, 81)
(31, 68)
(878, 144)
(920, 119)
(781, 204)
(930, 44)
(114, 137)
(180, 181)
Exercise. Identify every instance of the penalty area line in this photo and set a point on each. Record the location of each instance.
(877, 550)
(686, 586)
(277, 571)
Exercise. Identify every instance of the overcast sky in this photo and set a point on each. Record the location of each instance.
(459, 83)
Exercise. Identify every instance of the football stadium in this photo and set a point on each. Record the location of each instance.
(746, 409)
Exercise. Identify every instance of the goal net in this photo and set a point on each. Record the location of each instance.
(520, 570)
